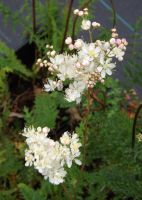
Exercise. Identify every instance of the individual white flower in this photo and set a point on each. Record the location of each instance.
(50, 86)
(86, 24)
(78, 44)
(90, 50)
(57, 60)
(106, 68)
(65, 139)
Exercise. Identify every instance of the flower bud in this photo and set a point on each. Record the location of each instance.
(45, 62)
(68, 40)
(76, 11)
(96, 24)
(41, 65)
(80, 13)
(53, 53)
(113, 30)
(78, 44)
(112, 41)
(124, 41)
(71, 47)
(118, 41)
(85, 9)
(86, 24)
(45, 130)
(39, 60)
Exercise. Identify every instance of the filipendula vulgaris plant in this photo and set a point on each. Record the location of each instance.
(82, 66)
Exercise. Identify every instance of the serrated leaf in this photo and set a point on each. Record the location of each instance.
(10, 63)
(44, 112)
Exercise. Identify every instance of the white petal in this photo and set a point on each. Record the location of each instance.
(78, 162)
(69, 163)
(103, 73)
(47, 87)
(99, 69)
(109, 72)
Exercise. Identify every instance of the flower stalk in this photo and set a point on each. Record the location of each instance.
(70, 4)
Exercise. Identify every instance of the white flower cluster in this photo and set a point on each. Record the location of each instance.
(51, 157)
(87, 64)
(81, 13)
(91, 63)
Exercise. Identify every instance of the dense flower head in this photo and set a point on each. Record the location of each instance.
(90, 64)
(87, 64)
(51, 157)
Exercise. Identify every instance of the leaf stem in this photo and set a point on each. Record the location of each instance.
(85, 133)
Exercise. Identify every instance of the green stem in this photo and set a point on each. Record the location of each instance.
(85, 133)
(85, 137)
(114, 13)
(90, 35)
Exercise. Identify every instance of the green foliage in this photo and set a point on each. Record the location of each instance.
(117, 171)
(8, 165)
(44, 112)
(9, 62)
(7, 195)
(30, 194)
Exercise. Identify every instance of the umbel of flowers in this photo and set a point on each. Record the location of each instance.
(49, 157)
(87, 64)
